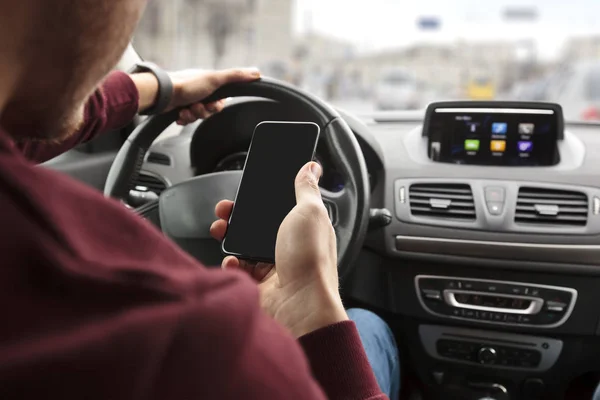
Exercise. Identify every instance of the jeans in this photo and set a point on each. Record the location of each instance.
(381, 349)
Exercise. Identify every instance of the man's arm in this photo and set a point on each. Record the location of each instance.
(111, 106)
(121, 96)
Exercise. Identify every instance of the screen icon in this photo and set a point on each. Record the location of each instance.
(526, 129)
(499, 128)
(525, 146)
(498, 146)
(472, 145)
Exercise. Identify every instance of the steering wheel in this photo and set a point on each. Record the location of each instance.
(187, 209)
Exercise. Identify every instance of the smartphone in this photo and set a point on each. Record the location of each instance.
(266, 192)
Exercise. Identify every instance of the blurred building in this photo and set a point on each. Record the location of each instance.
(581, 49)
(216, 33)
(320, 62)
(446, 67)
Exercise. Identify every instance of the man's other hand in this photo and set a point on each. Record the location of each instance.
(301, 289)
(190, 88)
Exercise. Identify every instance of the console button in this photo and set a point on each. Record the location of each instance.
(555, 306)
(451, 284)
(524, 319)
(487, 355)
(511, 319)
(519, 290)
(498, 317)
(469, 285)
(495, 193)
(432, 294)
(495, 208)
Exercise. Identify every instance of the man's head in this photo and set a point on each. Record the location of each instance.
(53, 54)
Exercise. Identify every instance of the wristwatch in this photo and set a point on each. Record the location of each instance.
(165, 87)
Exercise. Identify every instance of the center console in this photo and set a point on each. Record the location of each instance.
(499, 357)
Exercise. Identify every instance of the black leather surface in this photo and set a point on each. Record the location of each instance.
(353, 202)
(187, 210)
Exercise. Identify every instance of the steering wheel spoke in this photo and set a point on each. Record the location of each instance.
(338, 204)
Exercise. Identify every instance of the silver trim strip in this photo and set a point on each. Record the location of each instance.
(530, 285)
(495, 111)
(553, 253)
(534, 307)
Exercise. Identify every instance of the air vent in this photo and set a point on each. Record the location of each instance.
(159, 158)
(551, 207)
(149, 183)
(448, 201)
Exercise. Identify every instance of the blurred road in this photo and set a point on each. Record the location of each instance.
(355, 106)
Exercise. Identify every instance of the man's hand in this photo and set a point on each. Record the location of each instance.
(301, 289)
(190, 87)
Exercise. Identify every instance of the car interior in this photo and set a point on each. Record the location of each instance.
(485, 269)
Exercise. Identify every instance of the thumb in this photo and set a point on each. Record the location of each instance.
(307, 184)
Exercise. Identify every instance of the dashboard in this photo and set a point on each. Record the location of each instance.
(557, 205)
(487, 274)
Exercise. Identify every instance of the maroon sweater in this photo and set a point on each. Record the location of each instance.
(95, 303)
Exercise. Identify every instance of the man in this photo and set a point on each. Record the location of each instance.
(95, 303)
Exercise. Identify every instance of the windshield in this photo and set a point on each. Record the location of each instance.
(354, 53)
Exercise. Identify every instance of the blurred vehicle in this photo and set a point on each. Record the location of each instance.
(577, 89)
(481, 88)
(531, 90)
(398, 89)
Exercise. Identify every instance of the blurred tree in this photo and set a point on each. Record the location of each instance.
(223, 22)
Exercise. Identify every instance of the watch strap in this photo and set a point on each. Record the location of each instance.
(165, 87)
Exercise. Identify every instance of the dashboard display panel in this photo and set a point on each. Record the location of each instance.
(495, 136)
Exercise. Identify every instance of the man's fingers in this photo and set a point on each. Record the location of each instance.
(261, 271)
(218, 229)
(215, 106)
(232, 262)
(199, 111)
(226, 76)
(223, 209)
(307, 184)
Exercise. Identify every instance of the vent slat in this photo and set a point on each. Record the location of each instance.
(551, 207)
(159, 158)
(582, 203)
(442, 201)
(563, 210)
(552, 196)
(427, 202)
(433, 195)
(152, 183)
(445, 212)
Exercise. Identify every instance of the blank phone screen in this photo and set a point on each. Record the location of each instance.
(266, 193)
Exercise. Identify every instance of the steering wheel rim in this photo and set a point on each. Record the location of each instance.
(350, 207)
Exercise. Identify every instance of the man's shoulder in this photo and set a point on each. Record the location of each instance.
(61, 238)
(97, 295)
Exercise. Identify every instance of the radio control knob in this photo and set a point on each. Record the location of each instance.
(487, 355)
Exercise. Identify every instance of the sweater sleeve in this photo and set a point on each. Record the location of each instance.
(339, 363)
(111, 106)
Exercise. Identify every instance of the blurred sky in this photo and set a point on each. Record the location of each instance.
(377, 24)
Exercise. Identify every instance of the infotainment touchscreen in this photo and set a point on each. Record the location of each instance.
(493, 135)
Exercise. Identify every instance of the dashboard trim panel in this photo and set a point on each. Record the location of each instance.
(553, 253)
